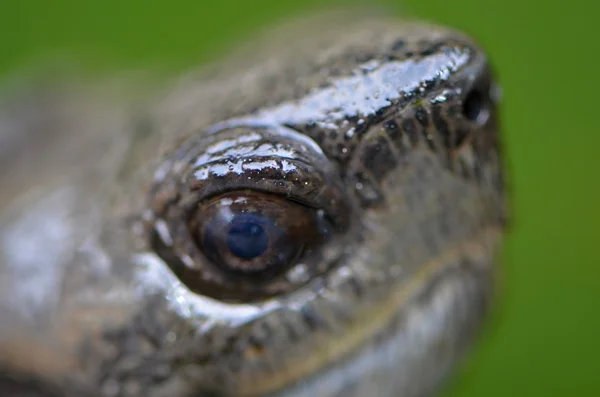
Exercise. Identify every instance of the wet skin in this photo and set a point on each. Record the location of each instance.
(317, 215)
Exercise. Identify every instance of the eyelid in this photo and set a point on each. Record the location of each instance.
(276, 128)
(259, 159)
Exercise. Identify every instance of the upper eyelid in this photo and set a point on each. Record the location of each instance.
(276, 127)
(254, 158)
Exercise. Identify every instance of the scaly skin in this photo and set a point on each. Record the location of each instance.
(103, 293)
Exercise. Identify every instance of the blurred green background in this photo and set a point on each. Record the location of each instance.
(545, 338)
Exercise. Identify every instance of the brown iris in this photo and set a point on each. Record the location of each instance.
(253, 234)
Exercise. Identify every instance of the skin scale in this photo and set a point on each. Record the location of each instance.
(399, 118)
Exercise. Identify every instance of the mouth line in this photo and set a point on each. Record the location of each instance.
(366, 327)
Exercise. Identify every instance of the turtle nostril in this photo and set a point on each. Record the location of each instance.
(475, 107)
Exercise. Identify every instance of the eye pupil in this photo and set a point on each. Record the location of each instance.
(246, 238)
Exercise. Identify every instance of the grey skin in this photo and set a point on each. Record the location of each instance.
(389, 130)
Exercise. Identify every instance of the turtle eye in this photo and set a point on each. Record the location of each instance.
(255, 234)
(248, 213)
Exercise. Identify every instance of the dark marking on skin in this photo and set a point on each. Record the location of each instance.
(409, 127)
(477, 171)
(377, 157)
(394, 135)
(293, 333)
(421, 116)
(357, 289)
(391, 128)
(398, 45)
(362, 57)
(460, 134)
(311, 319)
(453, 110)
(432, 49)
(441, 126)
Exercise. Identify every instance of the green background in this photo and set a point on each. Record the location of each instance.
(545, 338)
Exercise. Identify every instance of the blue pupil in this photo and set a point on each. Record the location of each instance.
(247, 238)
